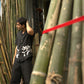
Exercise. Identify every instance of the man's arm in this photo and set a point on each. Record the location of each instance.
(30, 31)
(14, 55)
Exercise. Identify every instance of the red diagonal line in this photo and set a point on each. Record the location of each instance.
(64, 24)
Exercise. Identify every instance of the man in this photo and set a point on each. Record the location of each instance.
(22, 60)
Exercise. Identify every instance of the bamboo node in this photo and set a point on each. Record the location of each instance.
(37, 73)
(57, 78)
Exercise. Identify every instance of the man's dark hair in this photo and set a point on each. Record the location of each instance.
(22, 21)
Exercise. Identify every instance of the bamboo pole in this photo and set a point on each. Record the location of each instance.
(65, 74)
(17, 10)
(9, 27)
(56, 66)
(83, 42)
(43, 56)
(75, 75)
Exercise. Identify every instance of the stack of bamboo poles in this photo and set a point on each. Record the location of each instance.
(11, 11)
(56, 47)
(52, 53)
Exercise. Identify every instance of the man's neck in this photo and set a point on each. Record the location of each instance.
(23, 31)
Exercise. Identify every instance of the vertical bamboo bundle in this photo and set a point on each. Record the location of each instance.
(83, 42)
(4, 32)
(75, 76)
(43, 56)
(56, 66)
(4, 45)
(5, 61)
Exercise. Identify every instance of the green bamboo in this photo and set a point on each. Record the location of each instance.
(83, 43)
(35, 46)
(75, 75)
(43, 56)
(56, 66)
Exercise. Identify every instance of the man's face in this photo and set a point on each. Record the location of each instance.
(19, 26)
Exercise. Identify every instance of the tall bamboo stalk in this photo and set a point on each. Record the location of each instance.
(43, 56)
(9, 27)
(75, 75)
(56, 66)
(13, 24)
(83, 42)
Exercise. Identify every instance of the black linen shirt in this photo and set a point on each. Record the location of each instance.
(24, 46)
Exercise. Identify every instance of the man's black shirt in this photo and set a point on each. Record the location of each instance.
(24, 46)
